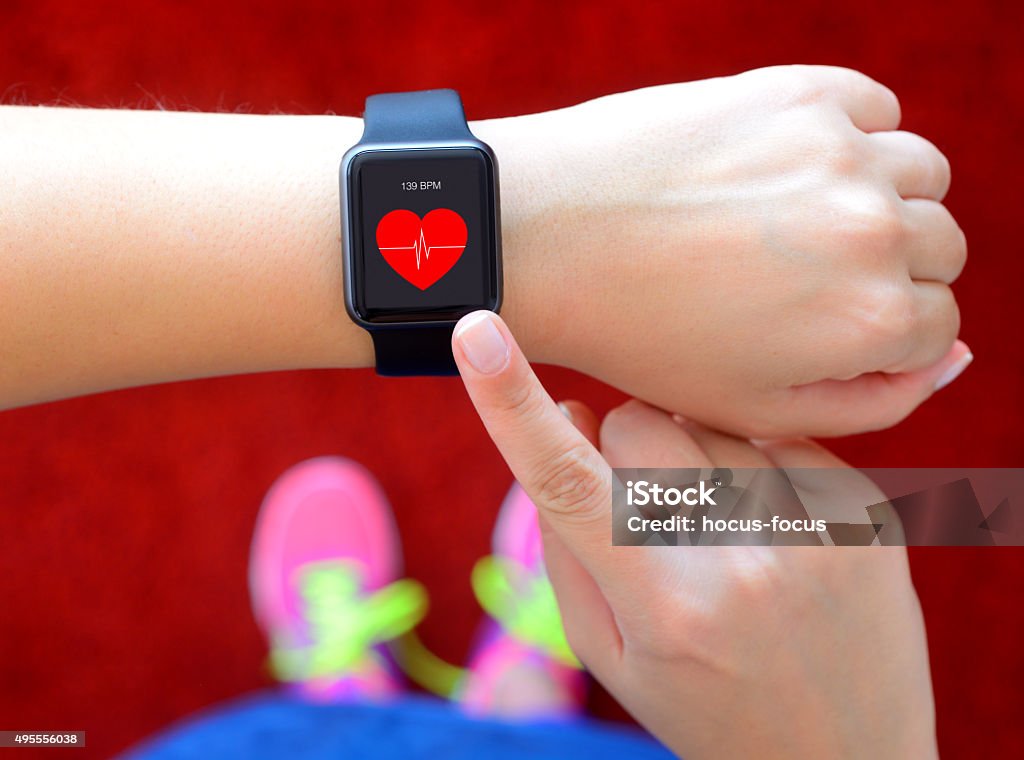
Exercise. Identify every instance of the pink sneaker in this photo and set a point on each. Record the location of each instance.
(522, 666)
(324, 581)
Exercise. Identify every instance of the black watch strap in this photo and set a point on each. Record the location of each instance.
(409, 351)
(415, 117)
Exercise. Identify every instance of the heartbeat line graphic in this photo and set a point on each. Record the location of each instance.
(401, 232)
(419, 247)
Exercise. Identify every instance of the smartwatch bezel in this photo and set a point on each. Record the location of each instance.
(350, 234)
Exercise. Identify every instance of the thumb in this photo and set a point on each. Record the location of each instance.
(565, 476)
(872, 401)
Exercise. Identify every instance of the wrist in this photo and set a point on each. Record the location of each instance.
(418, 191)
(337, 340)
(533, 267)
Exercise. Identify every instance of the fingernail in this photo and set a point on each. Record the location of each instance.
(954, 371)
(483, 343)
(566, 411)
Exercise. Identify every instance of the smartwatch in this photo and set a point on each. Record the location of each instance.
(421, 234)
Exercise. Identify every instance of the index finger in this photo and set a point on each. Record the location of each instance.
(567, 478)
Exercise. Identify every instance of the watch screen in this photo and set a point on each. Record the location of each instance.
(423, 234)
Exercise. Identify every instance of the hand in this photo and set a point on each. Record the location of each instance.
(720, 652)
(764, 253)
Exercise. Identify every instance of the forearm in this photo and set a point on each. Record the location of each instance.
(773, 230)
(147, 246)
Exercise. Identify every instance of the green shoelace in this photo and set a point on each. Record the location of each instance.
(345, 625)
(524, 605)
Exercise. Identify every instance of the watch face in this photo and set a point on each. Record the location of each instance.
(423, 234)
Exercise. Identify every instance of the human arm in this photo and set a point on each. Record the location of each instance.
(146, 246)
(726, 651)
(733, 249)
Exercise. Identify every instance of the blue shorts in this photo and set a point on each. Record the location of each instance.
(278, 725)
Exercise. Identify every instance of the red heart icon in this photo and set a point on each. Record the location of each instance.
(422, 251)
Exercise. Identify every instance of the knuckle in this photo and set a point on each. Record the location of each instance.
(679, 630)
(840, 152)
(791, 85)
(871, 223)
(570, 482)
(782, 583)
(806, 87)
(754, 577)
(685, 629)
(885, 315)
(523, 402)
